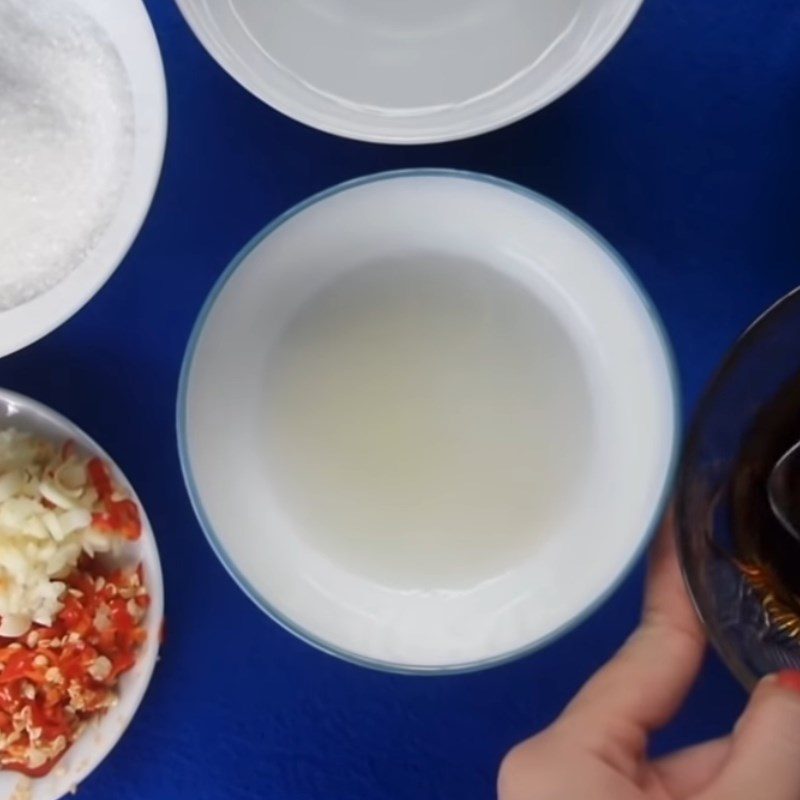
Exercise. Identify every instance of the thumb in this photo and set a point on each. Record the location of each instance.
(764, 760)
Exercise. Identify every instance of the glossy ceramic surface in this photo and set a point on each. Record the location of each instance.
(412, 71)
(601, 311)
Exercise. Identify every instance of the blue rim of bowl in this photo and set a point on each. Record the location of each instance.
(216, 545)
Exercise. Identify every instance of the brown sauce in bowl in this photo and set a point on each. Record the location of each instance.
(766, 552)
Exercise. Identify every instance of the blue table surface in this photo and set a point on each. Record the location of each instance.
(681, 148)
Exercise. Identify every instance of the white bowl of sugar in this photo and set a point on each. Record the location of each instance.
(427, 420)
(82, 131)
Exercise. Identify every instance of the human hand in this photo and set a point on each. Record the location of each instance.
(597, 749)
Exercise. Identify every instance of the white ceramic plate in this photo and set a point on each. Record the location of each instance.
(607, 324)
(408, 71)
(100, 737)
(129, 28)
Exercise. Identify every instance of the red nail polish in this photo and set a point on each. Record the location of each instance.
(789, 679)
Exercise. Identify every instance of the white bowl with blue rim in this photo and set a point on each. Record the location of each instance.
(606, 328)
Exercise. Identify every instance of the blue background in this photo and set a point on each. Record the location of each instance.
(682, 149)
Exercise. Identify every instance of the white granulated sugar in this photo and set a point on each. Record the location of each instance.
(66, 142)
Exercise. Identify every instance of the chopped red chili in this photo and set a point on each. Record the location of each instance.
(120, 516)
(54, 679)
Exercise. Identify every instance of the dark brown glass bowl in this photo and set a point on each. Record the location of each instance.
(742, 568)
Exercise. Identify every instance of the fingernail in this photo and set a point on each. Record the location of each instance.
(789, 679)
